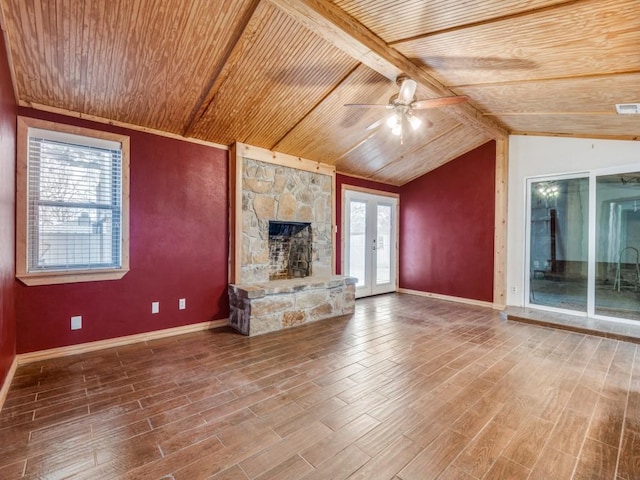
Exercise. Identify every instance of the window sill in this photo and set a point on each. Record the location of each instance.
(76, 276)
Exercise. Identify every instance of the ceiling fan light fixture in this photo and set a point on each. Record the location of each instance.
(393, 120)
(404, 103)
(415, 122)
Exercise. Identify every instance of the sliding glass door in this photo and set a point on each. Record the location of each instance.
(583, 244)
(558, 232)
(617, 245)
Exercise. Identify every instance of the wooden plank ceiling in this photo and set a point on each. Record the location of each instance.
(277, 73)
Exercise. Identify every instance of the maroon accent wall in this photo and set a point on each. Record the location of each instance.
(447, 228)
(354, 182)
(178, 249)
(7, 216)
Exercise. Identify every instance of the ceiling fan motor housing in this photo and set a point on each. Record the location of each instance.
(406, 95)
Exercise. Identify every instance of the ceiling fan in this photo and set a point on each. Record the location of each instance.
(404, 103)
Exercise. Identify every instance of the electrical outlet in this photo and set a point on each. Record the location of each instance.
(76, 322)
(155, 307)
(514, 289)
(182, 304)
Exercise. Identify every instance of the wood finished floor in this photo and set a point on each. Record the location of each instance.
(407, 388)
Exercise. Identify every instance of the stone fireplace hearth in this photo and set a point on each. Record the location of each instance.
(282, 243)
(270, 306)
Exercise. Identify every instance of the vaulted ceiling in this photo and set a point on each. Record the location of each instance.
(277, 73)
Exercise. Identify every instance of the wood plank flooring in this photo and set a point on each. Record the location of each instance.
(406, 388)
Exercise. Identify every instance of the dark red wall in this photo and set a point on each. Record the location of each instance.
(355, 182)
(447, 228)
(7, 216)
(178, 249)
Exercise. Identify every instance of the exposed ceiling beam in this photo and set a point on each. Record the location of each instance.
(322, 18)
(346, 33)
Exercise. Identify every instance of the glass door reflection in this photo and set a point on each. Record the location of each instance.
(558, 243)
(357, 241)
(384, 241)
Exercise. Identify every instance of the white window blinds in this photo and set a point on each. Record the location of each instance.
(74, 202)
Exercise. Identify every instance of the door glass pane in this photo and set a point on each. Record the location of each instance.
(559, 243)
(617, 283)
(383, 245)
(357, 240)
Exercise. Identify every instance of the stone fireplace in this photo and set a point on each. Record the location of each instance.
(282, 243)
(277, 194)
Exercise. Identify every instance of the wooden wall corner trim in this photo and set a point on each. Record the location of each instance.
(334, 223)
(235, 213)
(500, 222)
(7, 381)
(25, 358)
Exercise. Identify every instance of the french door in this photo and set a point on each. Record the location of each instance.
(583, 244)
(370, 244)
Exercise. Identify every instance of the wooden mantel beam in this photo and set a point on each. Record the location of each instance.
(346, 33)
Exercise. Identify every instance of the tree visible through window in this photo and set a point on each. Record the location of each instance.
(74, 219)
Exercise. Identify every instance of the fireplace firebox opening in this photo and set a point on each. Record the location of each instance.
(290, 250)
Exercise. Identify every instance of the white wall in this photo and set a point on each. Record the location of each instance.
(536, 156)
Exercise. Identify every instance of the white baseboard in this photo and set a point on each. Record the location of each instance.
(438, 296)
(30, 357)
(7, 381)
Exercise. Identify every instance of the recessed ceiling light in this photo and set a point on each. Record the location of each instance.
(628, 108)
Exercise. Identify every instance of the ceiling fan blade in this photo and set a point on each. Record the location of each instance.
(367, 105)
(375, 124)
(439, 102)
(407, 91)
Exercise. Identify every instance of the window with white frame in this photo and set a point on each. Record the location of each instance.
(72, 203)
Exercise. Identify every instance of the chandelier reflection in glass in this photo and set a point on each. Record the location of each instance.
(548, 192)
